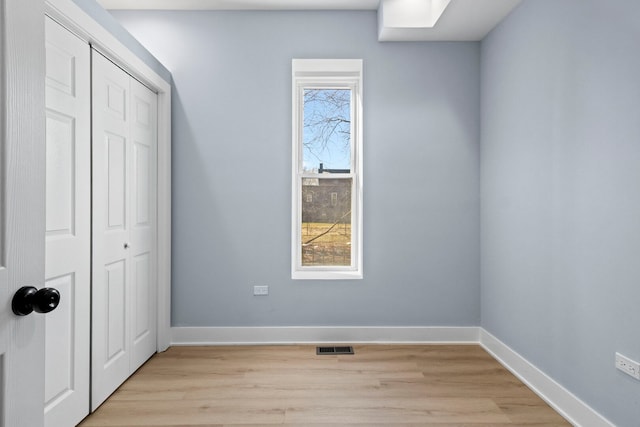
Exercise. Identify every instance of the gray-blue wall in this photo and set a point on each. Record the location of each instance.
(561, 194)
(232, 170)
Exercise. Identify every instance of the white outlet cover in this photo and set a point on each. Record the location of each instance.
(628, 366)
(261, 290)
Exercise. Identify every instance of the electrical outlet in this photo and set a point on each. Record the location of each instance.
(628, 366)
(261, 290)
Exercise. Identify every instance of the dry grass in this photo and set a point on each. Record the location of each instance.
(332, 248)
(341, 233)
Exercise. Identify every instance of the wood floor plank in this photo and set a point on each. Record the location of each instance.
(380, 385)
(189, 412)
(394, 410)
(523, 410)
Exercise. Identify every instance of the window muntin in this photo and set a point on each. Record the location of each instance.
(327, 183)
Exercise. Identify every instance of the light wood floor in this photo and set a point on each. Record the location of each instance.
(381, 385)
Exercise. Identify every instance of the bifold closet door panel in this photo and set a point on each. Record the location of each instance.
(124, 226)
(111, 269)
(142, 242)
(68, 226)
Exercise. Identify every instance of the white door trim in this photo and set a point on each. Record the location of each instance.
(68, 14)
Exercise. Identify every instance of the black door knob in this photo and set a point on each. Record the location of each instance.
(28, 299)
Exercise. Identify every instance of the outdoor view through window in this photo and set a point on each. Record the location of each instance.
(326, 179)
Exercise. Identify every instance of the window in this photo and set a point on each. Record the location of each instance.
(327, 169)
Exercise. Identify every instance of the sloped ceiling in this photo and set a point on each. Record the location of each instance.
(398, 20)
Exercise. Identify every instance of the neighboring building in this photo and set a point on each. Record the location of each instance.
(326, 200)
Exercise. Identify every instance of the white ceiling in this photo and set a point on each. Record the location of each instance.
(242, 4)
(462, 20)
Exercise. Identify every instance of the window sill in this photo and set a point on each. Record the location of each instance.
(326, 275)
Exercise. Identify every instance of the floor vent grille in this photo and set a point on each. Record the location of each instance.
(334, 350)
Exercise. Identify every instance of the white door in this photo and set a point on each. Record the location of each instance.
(68, 226)
(22, 178)
(124, 226)
(143, 235)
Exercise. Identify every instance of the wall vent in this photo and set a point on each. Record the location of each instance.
(334, 350)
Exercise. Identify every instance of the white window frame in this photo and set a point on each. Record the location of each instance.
(334, 74)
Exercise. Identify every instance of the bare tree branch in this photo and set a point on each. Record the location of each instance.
(329, 229)
(327, 119)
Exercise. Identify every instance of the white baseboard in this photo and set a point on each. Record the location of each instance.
(559, 398)
(323, 335)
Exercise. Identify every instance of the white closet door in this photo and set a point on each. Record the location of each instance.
(124, 229)
(110, 302)
(68, 215)
(142, 243)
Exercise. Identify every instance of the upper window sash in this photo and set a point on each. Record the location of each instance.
(317, 83)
